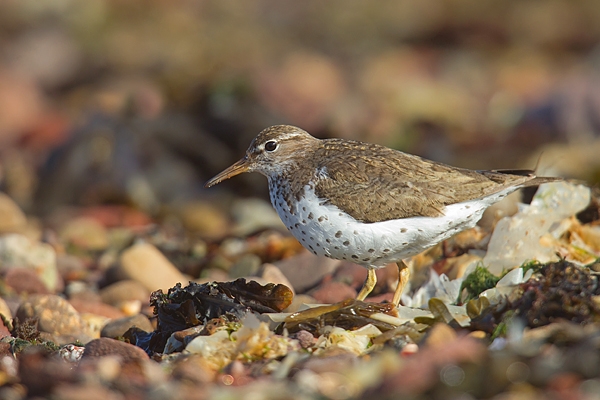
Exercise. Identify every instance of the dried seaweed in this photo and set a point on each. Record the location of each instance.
(561, 291)
(349, 314)
(195, 304)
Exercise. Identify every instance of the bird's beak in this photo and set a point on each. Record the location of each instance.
(239, 167)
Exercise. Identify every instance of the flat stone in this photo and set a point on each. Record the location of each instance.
(146, 264)
(118, 327)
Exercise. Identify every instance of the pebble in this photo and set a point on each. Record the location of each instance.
(19, 251)
(12, 218)
(204, 219)
(86, 233)
(3, 329)
(83, 305)
(440, 335)
(71, 267)
(124, 291)
(246, 265)
(272, 274)
(304, 338)
(146, 264)
(194, 368)
(118, 327)
(25, 280)
(56, 317)
(106, 347)
(4, 309)
(305, 270)
(253, 215)
(333, 292)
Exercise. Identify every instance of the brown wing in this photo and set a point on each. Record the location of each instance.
(373, 183)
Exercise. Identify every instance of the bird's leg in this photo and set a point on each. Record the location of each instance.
(368, 285)
(403, 276)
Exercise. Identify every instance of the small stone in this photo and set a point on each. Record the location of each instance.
(19, 251)
(333, 292)
(253, 215)
(305, 338)
(83, 305)
(3, 330)
(4, 309)
(72, 268)
(111, 347)
(25, 280)
(12, 219)
(146, 264)
(56, 317)
(439, 335)
(118, 327)
(178, 340)
(272, 274)
(86, 233)
(204, 219)
(305, 270)
(124, 291)
(193, 368)
(246, 265)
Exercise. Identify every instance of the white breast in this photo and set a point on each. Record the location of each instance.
(326, 231)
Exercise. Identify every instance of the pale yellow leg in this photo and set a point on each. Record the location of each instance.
(368, 285)
(403, 276)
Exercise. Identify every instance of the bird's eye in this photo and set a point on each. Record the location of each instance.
(271, 145)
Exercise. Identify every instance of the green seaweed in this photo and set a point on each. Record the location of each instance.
(478, 281)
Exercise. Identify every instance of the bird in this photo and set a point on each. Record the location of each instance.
(367, 203)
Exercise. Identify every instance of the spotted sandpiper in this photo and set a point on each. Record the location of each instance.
(367, 203)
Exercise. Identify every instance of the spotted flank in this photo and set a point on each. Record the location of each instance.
(325, 231)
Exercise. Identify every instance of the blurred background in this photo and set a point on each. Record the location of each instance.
(137, 103)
